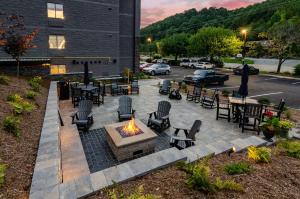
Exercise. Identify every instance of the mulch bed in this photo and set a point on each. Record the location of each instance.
(279, 179)
(19, 154)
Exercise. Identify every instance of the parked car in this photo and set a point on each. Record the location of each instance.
(252, 70)
(206, 77)
(204, 65)
(145, 65)
(158, 69)
(184, 63)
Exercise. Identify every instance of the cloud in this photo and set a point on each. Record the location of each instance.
(156, 10)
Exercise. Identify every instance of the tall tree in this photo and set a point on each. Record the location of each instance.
(213, 42)
(16, 41)
(285, 40)
(175, 45)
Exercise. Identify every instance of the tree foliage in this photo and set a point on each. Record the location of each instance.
(174, 45)
(212, 41)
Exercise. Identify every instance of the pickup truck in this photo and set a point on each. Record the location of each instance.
(206, 77)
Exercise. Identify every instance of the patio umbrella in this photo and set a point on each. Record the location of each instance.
(86, 74)
(243, 90)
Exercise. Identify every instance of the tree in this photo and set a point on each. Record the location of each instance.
(285, 40)
(213, 42)
(16, 41)
(174, 45)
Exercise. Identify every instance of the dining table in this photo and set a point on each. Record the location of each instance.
(87, 89)
(237, 102)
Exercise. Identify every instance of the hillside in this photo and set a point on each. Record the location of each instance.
(258, 18)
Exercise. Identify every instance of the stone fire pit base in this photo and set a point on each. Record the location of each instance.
(130, 147)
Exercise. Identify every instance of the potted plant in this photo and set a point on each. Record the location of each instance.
(269, 126)
(284, 127)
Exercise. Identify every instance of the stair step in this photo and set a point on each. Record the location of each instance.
(197, 152)
(220, 147)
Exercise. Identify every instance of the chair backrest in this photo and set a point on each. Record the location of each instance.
(163, 109)
(166, 85)
(76, 92)
(85, 106)
(281, 105)
(83, 115)
(197, 90)
(195, 129)
(253, 110)
(215, 94)
(125, 105)
(135, 84)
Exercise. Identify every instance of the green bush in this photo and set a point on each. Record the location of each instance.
(297, 70)
(2, 173)
(264, 101)
(35, 83)
(31, 94)
(259, 155)
(14, 98)
(227, 185)
(237, 168)
(4, 80)
(292, 148)
(138, 194)
(11, 125)
(22, 106)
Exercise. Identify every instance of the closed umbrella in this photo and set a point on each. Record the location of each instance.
(243, 90)
(86, 74)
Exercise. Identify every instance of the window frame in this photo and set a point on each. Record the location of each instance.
(58, 69)
(56, 10)
(57, 41)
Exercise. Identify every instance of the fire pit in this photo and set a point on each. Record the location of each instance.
(130, 139)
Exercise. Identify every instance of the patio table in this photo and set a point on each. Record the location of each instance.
(239, 102)
(87, 89)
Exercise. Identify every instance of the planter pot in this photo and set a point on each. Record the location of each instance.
(283, 133)
(268, 134)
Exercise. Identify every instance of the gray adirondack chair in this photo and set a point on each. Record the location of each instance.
(165, 88)
(135, 88)
(116, 89)
(83, 118)
(189, 139)
(125, 110)
(160, 119)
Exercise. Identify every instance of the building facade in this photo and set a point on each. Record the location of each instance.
(103, 33)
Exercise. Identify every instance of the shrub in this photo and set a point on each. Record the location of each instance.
(292, 148)
(4, 80)
(11, 125)
(288, 114)
(2, 173)
(237, 168)
(297, 70)
(14, 98)
(259, 155)
(35, 83)
(30, 94)
(264, 100)
(227, 185)
(138, 194)
(22, 106)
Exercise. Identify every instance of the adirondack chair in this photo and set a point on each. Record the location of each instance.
(135, 88)
(223, 109)
(209, 101)
(254, 112)
(125, 111)
(83, 118)
(189, 139)
(116, 89)
(165, 88)
(160, 119)
(195, 95)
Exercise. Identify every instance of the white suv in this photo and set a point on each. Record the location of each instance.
(204, 65)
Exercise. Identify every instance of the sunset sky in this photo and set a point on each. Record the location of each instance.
(155, 10)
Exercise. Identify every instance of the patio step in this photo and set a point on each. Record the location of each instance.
(197, 152)
(220, 147)
(242, 144)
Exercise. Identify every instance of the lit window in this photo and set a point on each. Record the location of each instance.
(55, 11)
(57, 42)
(57, 69)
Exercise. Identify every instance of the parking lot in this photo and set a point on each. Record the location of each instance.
(273, 88)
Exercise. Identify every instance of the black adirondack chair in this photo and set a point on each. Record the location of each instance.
(195, 95)
(165, 88)
(223, 109)
(189, 139)
(276, 110)
(209, 101)
(76, 94)
(248, 113)
(135, 88)
(98, 95)
(83, 118)
(160, 119)
(125, 110)
(116, 89)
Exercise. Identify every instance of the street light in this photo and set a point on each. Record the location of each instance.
(149, 40)
(244, 32)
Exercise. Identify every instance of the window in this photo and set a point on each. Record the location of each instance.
(55, 11)
(57, 69)
(57, 42)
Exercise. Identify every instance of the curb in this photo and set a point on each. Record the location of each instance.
(283, 77)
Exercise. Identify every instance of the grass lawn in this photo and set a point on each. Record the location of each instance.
(236, 61)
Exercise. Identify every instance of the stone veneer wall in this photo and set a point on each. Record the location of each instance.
(47, 171)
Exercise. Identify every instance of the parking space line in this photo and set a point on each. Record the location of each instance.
(266, 94)
(273, 78)
(296, 83)
(225, 87)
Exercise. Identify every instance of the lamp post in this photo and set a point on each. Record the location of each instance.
(149, 41)
(244, 32)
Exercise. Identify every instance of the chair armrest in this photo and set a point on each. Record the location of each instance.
(179, 128)
(165, 117)
(181, 138)
(90, 115)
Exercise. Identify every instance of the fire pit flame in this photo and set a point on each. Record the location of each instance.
(131, 128)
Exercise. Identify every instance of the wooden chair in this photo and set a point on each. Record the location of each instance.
(116, 89)
(223, 109)
(98, 95)
(76, 94)
(209, 101)
(251, 111)
(276, 110)
(189, 139)
(195, 95)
